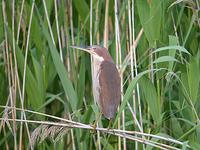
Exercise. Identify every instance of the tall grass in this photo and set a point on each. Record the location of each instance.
(46, 99)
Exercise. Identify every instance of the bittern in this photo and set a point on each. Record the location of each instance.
(106, 80)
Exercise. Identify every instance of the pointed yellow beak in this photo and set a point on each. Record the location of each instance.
(86, 49)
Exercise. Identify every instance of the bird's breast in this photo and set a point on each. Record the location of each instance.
(95, 79)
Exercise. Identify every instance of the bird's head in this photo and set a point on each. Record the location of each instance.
(98, 52)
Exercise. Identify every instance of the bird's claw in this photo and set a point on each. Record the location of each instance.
(94, 126)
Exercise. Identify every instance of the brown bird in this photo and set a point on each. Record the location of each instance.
(106, 80)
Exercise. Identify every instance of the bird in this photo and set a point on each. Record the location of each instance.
(106, 80)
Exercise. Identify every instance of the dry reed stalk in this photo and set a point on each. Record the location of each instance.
(72, 30)
(9, 73)
(116, 132)
(17, 77)
(89, 126)
(135, 65)
(97, 23)
(92, 69)
(106, 26)
(131, 39)
(119, 62)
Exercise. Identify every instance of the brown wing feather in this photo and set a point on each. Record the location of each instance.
(110, 89)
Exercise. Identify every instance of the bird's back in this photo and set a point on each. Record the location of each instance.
(110, 89)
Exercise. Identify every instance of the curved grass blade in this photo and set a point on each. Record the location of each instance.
(164, 59)
(180, 48)
(60, 68)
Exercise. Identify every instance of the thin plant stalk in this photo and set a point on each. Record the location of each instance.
(106, 27)
(51, 33)
(128, 56)
(119, 62)
(72, 135)
(18, 82)
(135, 65)
(17, 79)
(73, 42)
(72, 32)
(91, 58)
(10, 97)
(48, 21)
(89, 126)
(131, 57)
(176, 34)
(117, 51)
(58, 31)
(97, 23)
(11, 66)
(20, 19)
(24, 72)
(109, 131)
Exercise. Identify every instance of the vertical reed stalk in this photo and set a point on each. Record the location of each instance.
(24, 73)
(97, 23)
(119, 62)
(92, 69)
(18, 82)
(72, 31)
(135, 65)
(106, 27)
(51, 33)
(12, 71)
(14, 81)
(58, 31)
(48, 21)
(131, 37)
(8, 67)
(20, 19)
(68, 62)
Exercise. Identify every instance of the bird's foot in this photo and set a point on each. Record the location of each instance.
(109, 127)
(109, 124)
(94, 126)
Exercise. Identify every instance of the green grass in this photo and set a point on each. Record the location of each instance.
(154, 43)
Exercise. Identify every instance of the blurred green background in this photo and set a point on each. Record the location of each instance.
(156, 47)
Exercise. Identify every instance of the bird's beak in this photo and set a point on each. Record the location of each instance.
(86, 49)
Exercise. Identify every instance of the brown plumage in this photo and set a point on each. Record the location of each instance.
(109, 81)
(106, 80)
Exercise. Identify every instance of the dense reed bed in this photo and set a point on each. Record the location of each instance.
(46, 99)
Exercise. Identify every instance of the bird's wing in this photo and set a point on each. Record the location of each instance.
(110, 89)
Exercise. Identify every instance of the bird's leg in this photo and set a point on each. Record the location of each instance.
(95, 124)
(110, 124)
